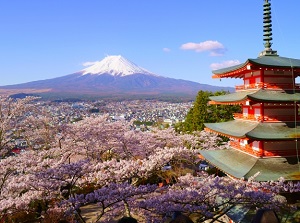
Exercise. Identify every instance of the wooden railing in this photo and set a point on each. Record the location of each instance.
(247, 117)
(277, 118)
(249, 86)
(247, 148)
(271, 118)
(267, 153)
(275, 86)
(280, 152)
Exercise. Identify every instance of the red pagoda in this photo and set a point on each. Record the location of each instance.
(264, 137)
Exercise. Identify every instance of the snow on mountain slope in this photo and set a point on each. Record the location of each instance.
(113, 77)
(116, 66)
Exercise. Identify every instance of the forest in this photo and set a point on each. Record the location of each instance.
(145, 174)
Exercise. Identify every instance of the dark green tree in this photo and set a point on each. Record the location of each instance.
(202, 112)
(198, 114)
(222, 113)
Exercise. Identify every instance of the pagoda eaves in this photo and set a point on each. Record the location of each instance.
(261, 63)
(243, 129)
(257, 96)
(239, 165)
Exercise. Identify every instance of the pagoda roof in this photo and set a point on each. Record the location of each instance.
(236, 97)
(234, 128)
(241, 165)
(277, 130)
(256, 130)
(276, 61)
(230, 69)
(261, 95)
(266, 61)
(275, 96)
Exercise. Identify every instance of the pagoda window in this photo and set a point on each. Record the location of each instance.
(257, 80)
(245, 111)
(257, 112)
(247, 82)
(256, 146)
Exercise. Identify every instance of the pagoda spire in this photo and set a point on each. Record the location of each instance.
(267, 31)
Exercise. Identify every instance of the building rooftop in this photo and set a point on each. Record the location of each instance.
(263, 61)
(234, 128)
(256, 130)
(240, 165)
(258, 95)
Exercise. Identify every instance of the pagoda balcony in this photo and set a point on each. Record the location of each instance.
(246, 148)
(271, 118)
(281, 152)
(273, 86)
(263, 153)
(247, 117)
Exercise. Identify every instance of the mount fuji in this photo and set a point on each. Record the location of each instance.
(113, 77)
(115, 66)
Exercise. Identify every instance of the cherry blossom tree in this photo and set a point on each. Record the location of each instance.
(99, 161)
(210, 198)
(39, 130)
(12, 112)
(204, 198)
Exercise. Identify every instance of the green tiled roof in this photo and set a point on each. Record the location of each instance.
(257, 130)
(233, 97)
(273, 96)
(276, 61)
(279, 131)
(236, 128)
(273, 61)
(228, 69)
(259, 95)
(242, 165)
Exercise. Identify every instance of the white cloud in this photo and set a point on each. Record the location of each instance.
(86, 64)
(228, 63)
(214, 47)
(166, 49)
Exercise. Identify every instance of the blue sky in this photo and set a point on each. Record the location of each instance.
(43, 39)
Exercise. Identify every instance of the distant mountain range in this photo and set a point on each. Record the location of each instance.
(112, 77)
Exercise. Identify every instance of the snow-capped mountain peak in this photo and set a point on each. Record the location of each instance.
(116, 66)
